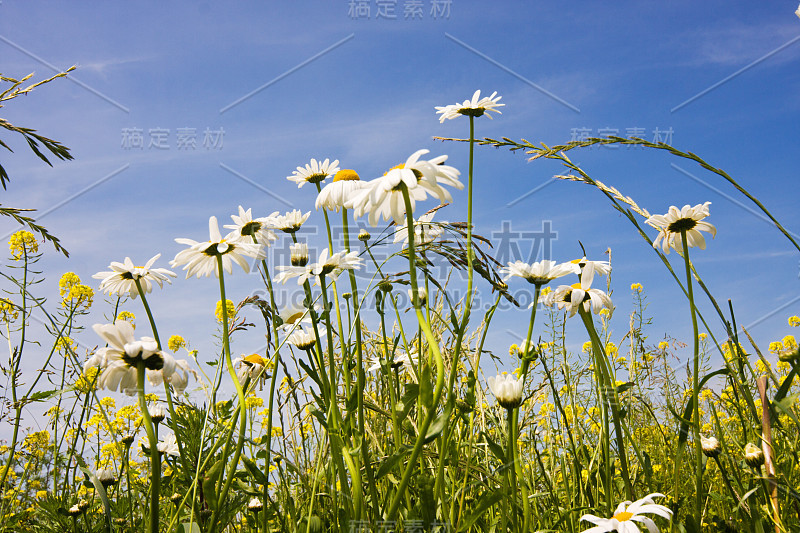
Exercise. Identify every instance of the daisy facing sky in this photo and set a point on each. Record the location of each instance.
(475, 107)
(121, 279)
(688, 219)
(200, 258)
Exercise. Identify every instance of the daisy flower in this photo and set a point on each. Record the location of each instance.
(541, 272)
(117, 361)
(294, 315)
(627, 513)
(121, 279)
(169, 445)
(291, 221)
(179, 379)
(201, 257)
(577, 294)
(383, 197)
(424, 231)
(328, 265)
(475, 107)
(245, 228)
(252, 366)
(302, 338)
(507, 389)
(334, 195)
(399, 360)
(688, 219)
(588, 269)
(314, 172)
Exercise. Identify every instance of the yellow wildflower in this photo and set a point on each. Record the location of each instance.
(587, 347)
(761, 367)
(252, 401)
(637, 287)
(794, 321)
(513, 349)
(789, 343)
(775, 347)
(229, 307)
(702, 336)
(175, 343)
(88, 381)
(8, 311)
(22, 243)
(128, 317)
(64, 345)
(41, 494)
(611, 349)
(663, 345)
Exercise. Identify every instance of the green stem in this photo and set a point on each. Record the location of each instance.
(698, 504)
(433, 345)
(155, 455)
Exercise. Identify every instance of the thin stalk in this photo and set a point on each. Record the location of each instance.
(155, 455)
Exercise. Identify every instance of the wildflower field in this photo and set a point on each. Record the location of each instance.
(372, 406)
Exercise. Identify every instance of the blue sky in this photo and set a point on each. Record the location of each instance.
(367, 98)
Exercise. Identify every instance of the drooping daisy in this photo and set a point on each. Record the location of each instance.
(335, 194)
(688, 219)
(118, 360)
(409, 364)
(252, 366)
(201, 257)
(333, 265)
(291, 221)
(507, 389)
(627, 513)
(577, 294)
(432, 174)
(294, 315)
(245, 228)
(302, 338)
(122, 278)
(588, 269)
(179, 379)
(424, 230)
(475, 107)
(540, 272)
(169, 445)
(314, 172)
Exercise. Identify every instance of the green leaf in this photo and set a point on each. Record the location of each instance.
(495, 448)
(481, 506)
(188, 527)
(43, 395)
(258, 476)
(437, 426)
(390, 463)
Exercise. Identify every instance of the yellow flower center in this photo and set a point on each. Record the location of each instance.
(346, 175)
(623, 516)
(294, 318)
(255, 359)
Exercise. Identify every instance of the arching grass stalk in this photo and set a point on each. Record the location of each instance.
(698, 448)
(437, 356)
(155, 455)
(222, 495)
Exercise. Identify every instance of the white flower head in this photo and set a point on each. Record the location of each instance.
(627, 513)
(169, 445)
(507, 389)
(572, 297)
(314, 172)
(302, 338)
(293, 316)
(246, 228)
(252, 366)
(291, 221)
(122, 277)
(688, 219)
(201, 257)
(119, 360)
(298, 254)
(401, 360)
(540, 272)
(179, 379)
(383, 197)
(475, 107)
(255, 505)
(424, 230)
(335, 195)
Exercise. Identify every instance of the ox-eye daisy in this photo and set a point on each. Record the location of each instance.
(475, 107)
(688, 219)
(201, 257)
(122, 277)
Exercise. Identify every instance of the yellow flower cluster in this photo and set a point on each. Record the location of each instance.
(87, 382)
(75, 293)
(22, 243)
(637, 287)
(8, 311)
(794, 321)
(128, 317)
(64, 345)
(229, 307)
(175, 343)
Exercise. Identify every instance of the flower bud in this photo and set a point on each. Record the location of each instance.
(255, 505)
(364, 235)
(753, 455)
(299, 254)
(385, 285)
(710, 445)
(157, 413)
